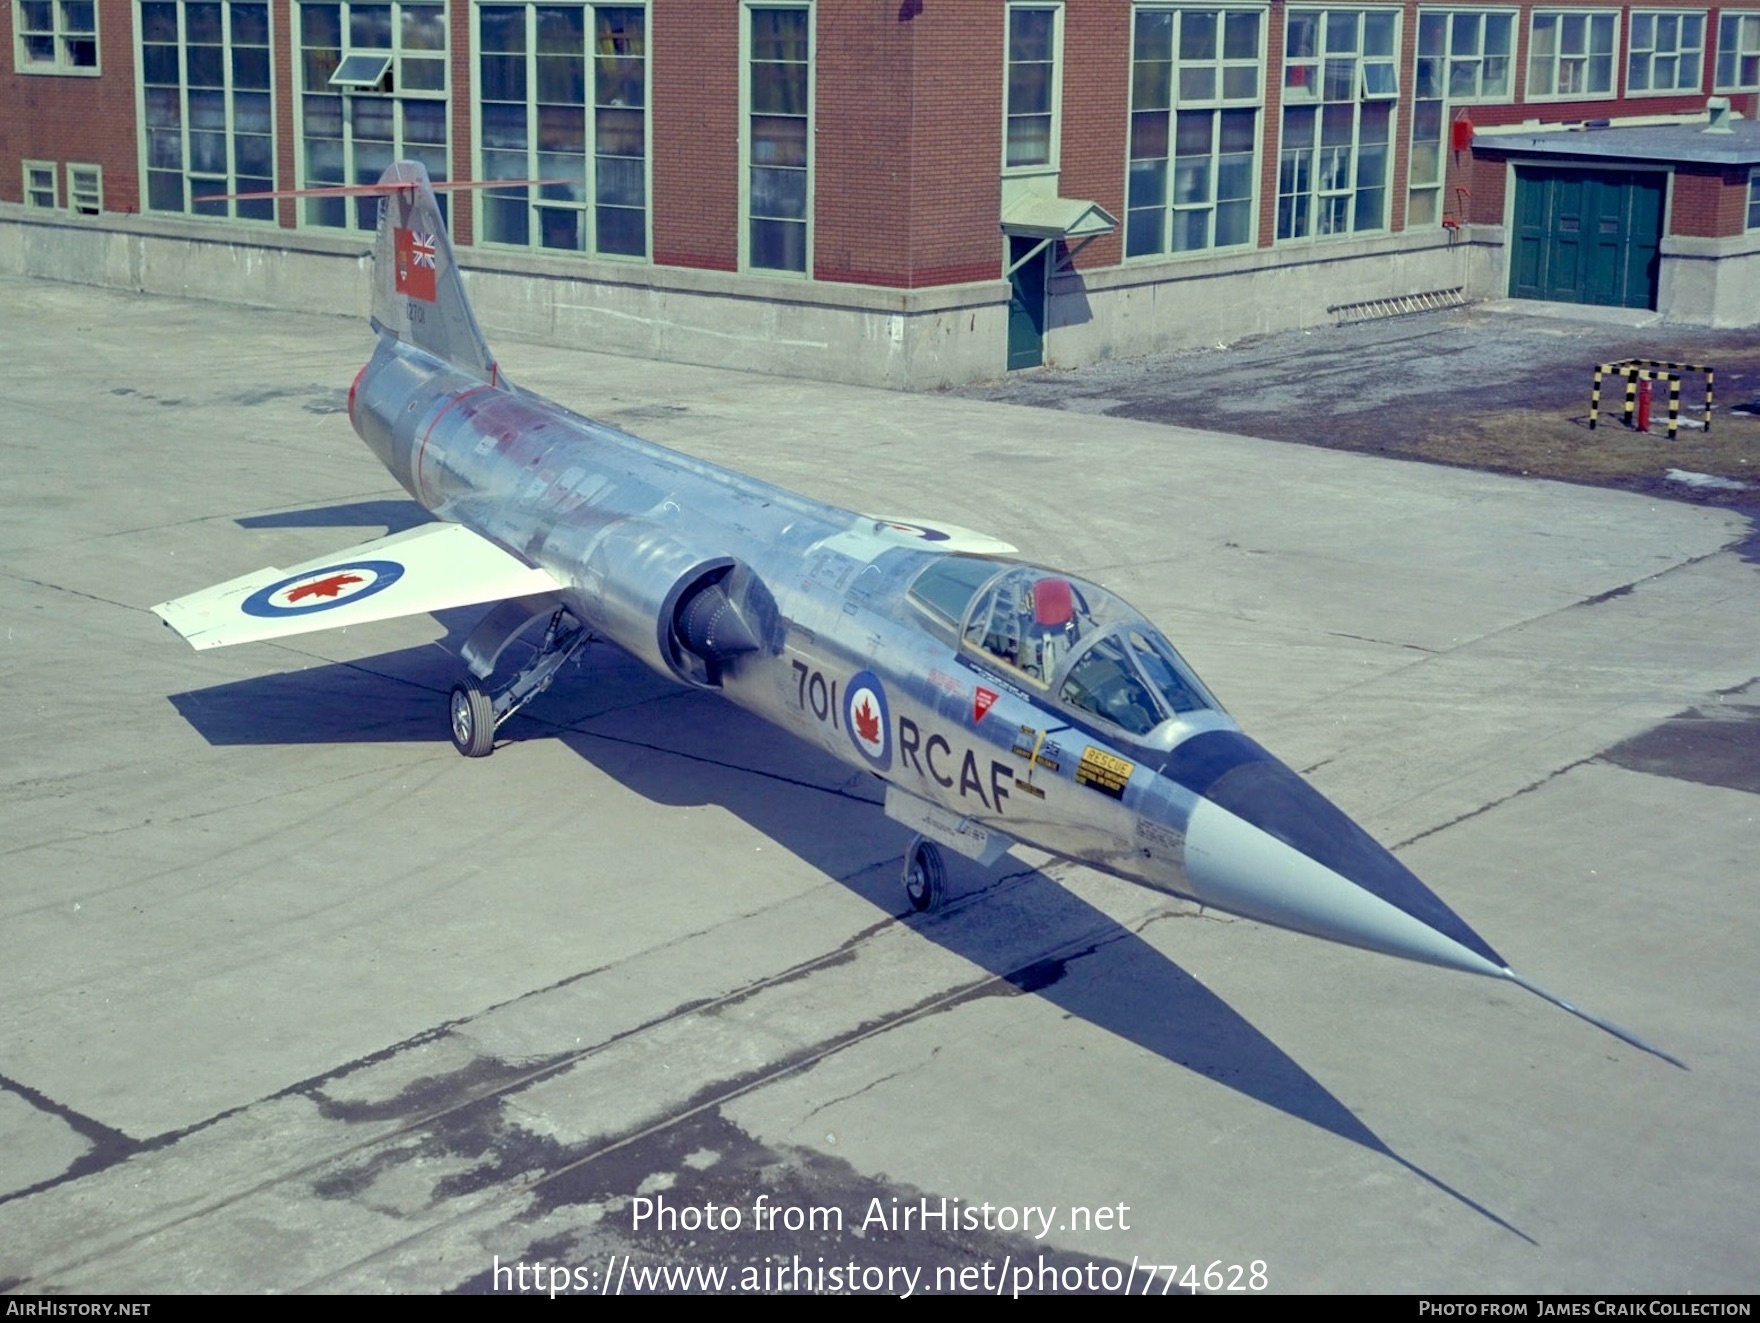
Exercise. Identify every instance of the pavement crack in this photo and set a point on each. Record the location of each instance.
(108, 1145)
(857, 1093)
(73, 592)
(373, 774)
(1625, 589)
(1197, 914)
(1514, 627)
(1385, 643)
(1487, 807)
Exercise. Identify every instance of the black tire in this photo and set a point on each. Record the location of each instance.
(472, 723)
(925, 878)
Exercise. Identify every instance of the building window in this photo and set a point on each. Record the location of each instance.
(1570, 53)
(40, 185)
(1738, 53)
(205, 101)
(1195, 99)
(778, 140)
(85, 189)
(1464, 56)
(1339, 89)
(1754, 201)
(1666, 52)
(1032, 107)
(553, 79)
(373, 91)
(55, 36)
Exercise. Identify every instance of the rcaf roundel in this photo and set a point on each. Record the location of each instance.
(320, 590)
(915, 530)
(868, 721)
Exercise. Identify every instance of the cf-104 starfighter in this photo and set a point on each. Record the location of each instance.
(1000, 702)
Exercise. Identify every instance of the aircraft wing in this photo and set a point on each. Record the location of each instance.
(938, 537)
(411, 573)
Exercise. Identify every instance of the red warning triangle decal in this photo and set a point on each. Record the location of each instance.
(981, 702)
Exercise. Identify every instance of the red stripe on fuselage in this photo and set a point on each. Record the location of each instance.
(422, 449)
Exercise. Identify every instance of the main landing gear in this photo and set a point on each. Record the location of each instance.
(925, 877)
(475, 713)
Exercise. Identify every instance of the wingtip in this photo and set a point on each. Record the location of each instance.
(1605, 1025)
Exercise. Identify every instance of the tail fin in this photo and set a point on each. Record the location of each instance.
(418, 296)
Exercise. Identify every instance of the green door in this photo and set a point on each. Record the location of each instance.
(1587, 236)
(1026, 303)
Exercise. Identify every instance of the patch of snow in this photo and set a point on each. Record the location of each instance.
(1687, 478)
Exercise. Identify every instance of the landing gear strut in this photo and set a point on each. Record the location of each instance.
(925, 877)
(476, 713)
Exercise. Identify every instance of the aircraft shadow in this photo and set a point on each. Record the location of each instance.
(394, 516)
(683, 749)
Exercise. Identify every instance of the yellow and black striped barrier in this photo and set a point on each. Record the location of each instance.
(1635, 370)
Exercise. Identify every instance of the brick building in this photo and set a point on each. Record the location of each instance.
(908, 192)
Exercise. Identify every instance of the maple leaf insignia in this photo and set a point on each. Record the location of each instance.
(867, 724)
(323, 587)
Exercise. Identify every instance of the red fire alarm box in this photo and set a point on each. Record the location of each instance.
(1462, 134)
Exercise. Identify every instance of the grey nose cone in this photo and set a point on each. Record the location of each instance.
(1264, 843)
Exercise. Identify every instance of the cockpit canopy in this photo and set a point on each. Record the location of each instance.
(1089, 649)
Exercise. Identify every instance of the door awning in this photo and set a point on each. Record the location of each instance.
(1038, 216)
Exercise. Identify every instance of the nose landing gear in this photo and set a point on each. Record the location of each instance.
(925, 876)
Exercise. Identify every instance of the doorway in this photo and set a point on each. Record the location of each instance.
(1588, 236)
(1027, 282)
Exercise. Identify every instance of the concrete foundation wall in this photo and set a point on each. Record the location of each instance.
(1711, 282)
(320, 274)
(1192, 303)
(866, 335)
(861, 334)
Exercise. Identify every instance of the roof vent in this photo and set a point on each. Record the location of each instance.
(1717, 115)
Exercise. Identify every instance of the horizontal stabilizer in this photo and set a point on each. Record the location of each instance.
(426, 569)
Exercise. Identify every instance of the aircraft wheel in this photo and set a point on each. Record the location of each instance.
(924, 876)
(473, 721)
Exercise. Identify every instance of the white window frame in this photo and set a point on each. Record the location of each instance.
(582, 197)
(1457, 52)
(48, 180)
(85, 188)
(1372, 79)
(748, 9)
(1738, 49)
(1055, 129)
(312, 80)
(67, 42)
(1146, 195)
(209, 181)
(1689, 59)
(1559, 60)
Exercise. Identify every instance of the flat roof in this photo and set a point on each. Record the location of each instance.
(1638, 142)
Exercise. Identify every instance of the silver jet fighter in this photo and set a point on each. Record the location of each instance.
(999, 702)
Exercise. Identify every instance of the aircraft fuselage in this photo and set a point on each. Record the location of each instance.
(852, 658)
(1000, 702)
(582, 500)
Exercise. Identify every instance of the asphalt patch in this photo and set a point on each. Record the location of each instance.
(1717, 746)
(1466, 387)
